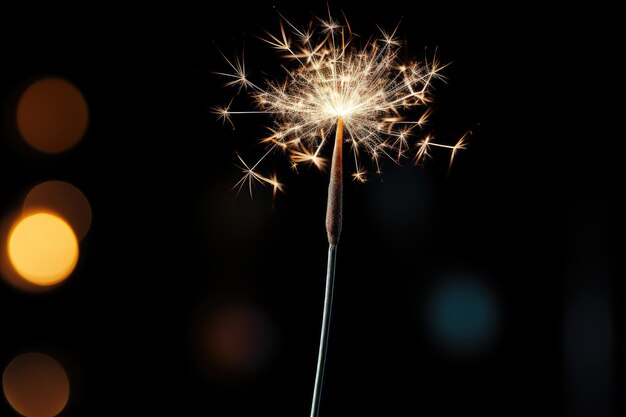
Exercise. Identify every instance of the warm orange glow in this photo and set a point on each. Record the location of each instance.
(63, 199)
(236, 339)
(43, 249)
(52, 115)
(36, 385)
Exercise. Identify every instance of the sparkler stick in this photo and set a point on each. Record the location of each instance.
(334, 207)
(360, 92)
(334, 218)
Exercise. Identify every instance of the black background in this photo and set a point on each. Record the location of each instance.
(529, 207)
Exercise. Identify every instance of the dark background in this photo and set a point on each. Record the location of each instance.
(527, 212)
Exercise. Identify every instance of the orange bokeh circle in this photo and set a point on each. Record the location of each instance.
(52, 115)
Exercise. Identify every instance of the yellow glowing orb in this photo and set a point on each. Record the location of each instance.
(43, 249)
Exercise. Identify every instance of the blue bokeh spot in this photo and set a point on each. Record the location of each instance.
(463, 315)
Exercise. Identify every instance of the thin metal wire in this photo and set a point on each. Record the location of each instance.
(328, 306)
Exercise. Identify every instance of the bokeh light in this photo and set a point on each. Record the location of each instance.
(63, 199)
(52, 115)
(463, 314)
(237, 339)
(42, 248)
(36, 385)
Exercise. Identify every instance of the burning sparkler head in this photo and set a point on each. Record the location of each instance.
(335, 76)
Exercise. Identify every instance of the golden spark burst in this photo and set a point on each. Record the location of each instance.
(333, 76)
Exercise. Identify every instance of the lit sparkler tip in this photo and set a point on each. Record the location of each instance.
(368, 86)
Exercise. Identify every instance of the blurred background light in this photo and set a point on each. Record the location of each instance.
(52, 115)
(237, 338)
(63, 199)
(42, 248)
(463, 314)
(36, 385)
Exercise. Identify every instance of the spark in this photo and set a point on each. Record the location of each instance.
(329, 25)
(330, 75)
(304, 156)
(359, 176)
(251, 176)
(223, 114)
(423, 148)
(390, 38)
(460, 144)
(239, 76)
(425, 144)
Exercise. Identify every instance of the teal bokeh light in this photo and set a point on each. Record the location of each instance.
(463, 315)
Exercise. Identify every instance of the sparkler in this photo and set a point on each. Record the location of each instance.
(359, 90)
